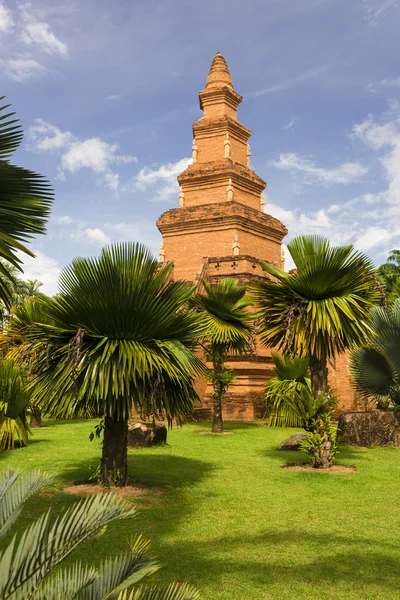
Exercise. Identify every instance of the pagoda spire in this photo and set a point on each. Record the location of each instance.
(218, 75)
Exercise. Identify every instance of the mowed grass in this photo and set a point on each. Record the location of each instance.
(223, 515)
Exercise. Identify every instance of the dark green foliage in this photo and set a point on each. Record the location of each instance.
(375, 368)
(25, 201)
(13, 401)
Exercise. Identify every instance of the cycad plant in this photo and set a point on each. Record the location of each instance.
(25, 200)
(321, 308)
(290, 378)
(29, 565)
(116, 334)
(227, 330)
(13, 401)
(375, 368)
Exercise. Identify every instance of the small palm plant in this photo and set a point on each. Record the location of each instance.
(227, 330)
(117, 334)
(291, 377)
(13, 401)
(375, 368)
(29, 567)
(25, 201)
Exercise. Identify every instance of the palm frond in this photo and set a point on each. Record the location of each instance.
(11, 133)
(43, 545)
(15, 489)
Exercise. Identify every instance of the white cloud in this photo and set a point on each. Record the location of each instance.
(44, 268)
(6, 20)
(39, 33)
(375, 10)
(97, 236)
(162, 181)
(289, 124)
(391, 82)
(22, 69)
(62, 220)
(46, 137)
(113, 97)
(345, 173)
(372, 237)
(92, 153)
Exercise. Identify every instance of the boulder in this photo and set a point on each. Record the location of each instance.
(372, 428)
(293, 442)
(145, 435)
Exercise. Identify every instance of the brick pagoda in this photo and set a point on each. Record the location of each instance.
(221, 230)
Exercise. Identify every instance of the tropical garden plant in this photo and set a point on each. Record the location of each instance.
(29, 565)
(116, 336)
(375, 367)
(222, 308)
(290, 378)
(315, 416)
(318, 310)
(25, 201)
(13, 401)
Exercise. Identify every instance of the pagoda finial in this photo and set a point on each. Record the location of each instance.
(219, 76)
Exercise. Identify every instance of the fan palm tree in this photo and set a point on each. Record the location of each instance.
(322, 307)
(117, 334)
(227, 330)
(375, 368)
(25, 200)
(30, 567)
(291, 377)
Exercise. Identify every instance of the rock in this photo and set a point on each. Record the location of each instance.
(293, 442)
(372, 428)
(145, 435)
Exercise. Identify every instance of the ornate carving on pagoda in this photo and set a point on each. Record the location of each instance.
(162, 252)
(194, 151)
(262, 201)
(227, 146)
(248, 154)
(236, 246)
(229, 190)
(181, 198)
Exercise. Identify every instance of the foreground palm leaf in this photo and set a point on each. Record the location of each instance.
(116, 335)
(320, 309)
(28, 567)
(25, 201)
(223, 312)
(376, 367)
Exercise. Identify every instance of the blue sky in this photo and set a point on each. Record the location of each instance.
(107, 94)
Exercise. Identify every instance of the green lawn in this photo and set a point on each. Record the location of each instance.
(224, 516)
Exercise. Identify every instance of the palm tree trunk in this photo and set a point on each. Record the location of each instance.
(218, 424)
(36, 418)
(114, 459)
(319, 376)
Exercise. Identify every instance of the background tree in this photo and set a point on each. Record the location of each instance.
(320, 309)
(227, 330)
(389, 274)
(117, 332)
(25, 201)
(375, 368)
